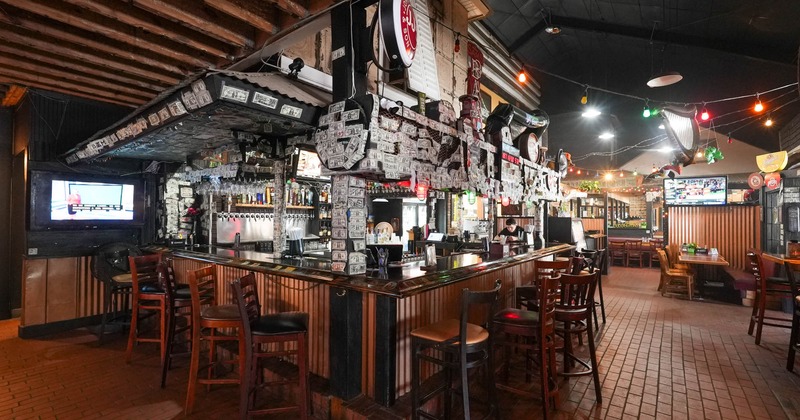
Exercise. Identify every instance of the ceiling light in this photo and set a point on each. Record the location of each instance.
(705, 116)
(758, 107)
(646, 112)
(665, 149)
(585, 97)
(608, 176)
(661, 126)
(380, 200)
(768, 122)
(606, 136)
(522, 77)
(553, 30)
(591, 113)
(665, 79)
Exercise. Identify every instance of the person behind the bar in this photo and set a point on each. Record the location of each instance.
(512, 231)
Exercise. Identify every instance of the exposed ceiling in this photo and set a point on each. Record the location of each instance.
(127, 52)
(723, 48)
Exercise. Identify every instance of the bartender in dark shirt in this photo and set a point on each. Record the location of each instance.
(512, 231)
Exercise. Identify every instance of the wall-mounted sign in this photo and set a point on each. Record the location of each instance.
(755, 181)
(772, 162)
(772, 181)
(399, 30)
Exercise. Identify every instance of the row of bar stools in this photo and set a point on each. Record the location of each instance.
(765, 286)
(456, 345)
(534, 333)
(147, 300)
(179, 311)
(598, 261)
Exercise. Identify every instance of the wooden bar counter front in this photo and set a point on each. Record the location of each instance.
(359, 325)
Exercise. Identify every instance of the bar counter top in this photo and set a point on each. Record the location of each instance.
(399, 282)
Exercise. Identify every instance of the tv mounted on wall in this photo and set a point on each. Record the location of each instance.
(80, 201)
(706, 191)
(307, 165)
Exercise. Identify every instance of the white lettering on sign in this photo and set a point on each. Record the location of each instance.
(265, 100)
(337, 53)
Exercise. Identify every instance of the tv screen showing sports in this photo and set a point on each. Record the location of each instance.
(708, 191)
(81, 200)
(309, 165)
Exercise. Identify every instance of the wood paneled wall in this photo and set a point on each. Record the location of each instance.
(730, 229)
(594, 224)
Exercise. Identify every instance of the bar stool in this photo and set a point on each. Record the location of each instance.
(542, 269)
(774, 286)
(533, 333)
(794, 340)
(110, 266)
(178, 308)
(674, 281)
(598, 258)
(207, 315)
(573, 312)
(147, 300)
(258, 330)
(462, 345)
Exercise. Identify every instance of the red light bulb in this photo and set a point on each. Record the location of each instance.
(705, 115)
(505, 201)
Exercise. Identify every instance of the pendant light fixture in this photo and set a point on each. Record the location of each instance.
(663, 78)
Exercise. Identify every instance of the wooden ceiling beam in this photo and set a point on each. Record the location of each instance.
(138, 18)
(67, 51)
(13, 96)
(128, 54)
(239, 11)
(291, 7)
(27, 53)
(188, 14)
(99, 26)
(16, 65)
(44, 82)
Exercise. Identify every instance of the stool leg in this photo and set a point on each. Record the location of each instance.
(544, 373)
(593, 358)
(162, 331)
(753, 315)
(305, 389)
(194, 365)
(464, 381)
(448, 392)
(133, 332)
(793, 342)
(762, 303)
(493, 409)
(106, 308)
(602, 302)
(415, 381)
(169, 346)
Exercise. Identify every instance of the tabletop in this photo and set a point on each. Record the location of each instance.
(702, 259)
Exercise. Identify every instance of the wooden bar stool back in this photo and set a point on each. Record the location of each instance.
(534, 334)
(543, 269)
(765, 286)
(147, 300)
(598, 259)
(573, 312)
(266, 336)
(635, 252)
(617, 252)
(456, 345)
(792, 272)
(210, 322)
(674, 282)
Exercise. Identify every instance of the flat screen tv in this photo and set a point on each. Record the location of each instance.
(308, 165)
(705, 191)
(80, 201)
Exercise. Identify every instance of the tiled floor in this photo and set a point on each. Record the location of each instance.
(659, 358)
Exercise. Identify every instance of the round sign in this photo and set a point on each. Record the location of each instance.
(772, 180)
(755, 180)
(399, 29)
(529, 146)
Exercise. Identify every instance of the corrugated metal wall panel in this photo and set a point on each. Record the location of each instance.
(730, 229)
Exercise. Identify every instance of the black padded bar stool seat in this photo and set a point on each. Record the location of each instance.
(283, 323)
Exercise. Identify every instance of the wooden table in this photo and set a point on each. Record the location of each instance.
(707, 275)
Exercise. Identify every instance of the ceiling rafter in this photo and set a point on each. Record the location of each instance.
(12, 63)
(61, 49)
(242, 12)
(138, 18)
(104, 27)
(130, 54)
(189, 14)
(27, 53)
(291, 7)
(76, 89)
(13, 95)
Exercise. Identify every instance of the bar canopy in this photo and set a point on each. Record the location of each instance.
(207, 112)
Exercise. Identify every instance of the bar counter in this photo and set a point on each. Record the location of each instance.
(398, 282)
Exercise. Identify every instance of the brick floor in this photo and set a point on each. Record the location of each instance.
(660, 358)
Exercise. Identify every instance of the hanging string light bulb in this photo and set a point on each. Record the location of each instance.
(704, 115)
(505, 201)
(585, 97)
(758, 106)
(522, 77)
(457, 46)
(768, 122)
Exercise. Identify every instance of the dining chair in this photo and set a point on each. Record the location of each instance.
(617, 252)
(634, 251)
(765, 286)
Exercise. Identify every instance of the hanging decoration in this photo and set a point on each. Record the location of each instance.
(713, 154)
